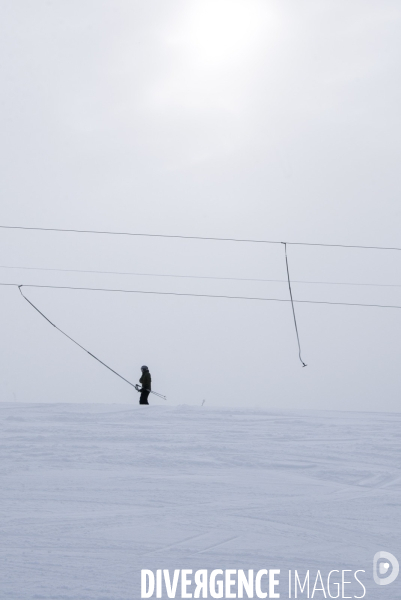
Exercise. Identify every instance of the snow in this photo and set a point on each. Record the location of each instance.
(91, 494)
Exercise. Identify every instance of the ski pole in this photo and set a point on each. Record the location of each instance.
(150, 391)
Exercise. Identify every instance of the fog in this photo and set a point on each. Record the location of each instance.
(269, 120)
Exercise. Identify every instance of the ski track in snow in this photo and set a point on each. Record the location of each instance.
(90, 494)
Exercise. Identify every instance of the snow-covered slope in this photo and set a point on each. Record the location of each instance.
(91, 494)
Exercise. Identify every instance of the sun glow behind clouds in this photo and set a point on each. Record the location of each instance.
(214, 49)
(217, 32)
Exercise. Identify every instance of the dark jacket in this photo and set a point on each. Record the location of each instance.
(146, 380)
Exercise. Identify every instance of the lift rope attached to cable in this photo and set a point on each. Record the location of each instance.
(85, 350)
(292, 304)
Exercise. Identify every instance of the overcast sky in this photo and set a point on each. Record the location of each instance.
(259, 119)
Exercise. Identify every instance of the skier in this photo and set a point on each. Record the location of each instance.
(146, 381)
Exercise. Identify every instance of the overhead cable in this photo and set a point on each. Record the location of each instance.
(168, 275)
(196, 237)
(90, 289)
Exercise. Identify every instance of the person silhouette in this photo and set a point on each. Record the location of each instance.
(146, 381)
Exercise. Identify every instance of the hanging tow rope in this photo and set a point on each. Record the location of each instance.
(87, 351)
(292, 304)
